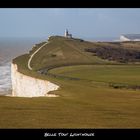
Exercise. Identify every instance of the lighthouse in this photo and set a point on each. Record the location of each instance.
(67, 35)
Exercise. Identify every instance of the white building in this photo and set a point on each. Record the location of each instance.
(67, 35)
(130, 37)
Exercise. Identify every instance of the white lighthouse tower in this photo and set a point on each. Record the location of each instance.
(66, 32)
(67, 35)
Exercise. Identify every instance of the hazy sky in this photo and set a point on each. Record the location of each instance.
(81, 22)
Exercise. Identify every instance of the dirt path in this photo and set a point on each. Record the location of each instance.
(31, 57)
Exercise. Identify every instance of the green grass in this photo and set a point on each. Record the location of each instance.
(127, 74)
(60, 51)
(80, 104)
(88, 103)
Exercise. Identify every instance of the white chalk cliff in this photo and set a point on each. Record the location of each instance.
(26, 86)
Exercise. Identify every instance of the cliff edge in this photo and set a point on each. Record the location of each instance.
(26, 86)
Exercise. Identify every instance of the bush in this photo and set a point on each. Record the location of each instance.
(119, 54)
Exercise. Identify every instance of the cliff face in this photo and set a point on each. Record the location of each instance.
(26, 86)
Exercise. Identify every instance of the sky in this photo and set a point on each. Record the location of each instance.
(81, 22)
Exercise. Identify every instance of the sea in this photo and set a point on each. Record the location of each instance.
(13, 47)
(9, 49)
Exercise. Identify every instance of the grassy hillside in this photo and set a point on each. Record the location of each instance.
(58, 52)
(63, 51)
(80, 104)
(117, 76)
(97, 93)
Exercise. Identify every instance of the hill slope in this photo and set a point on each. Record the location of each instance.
(61, 51)
(94, 96)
